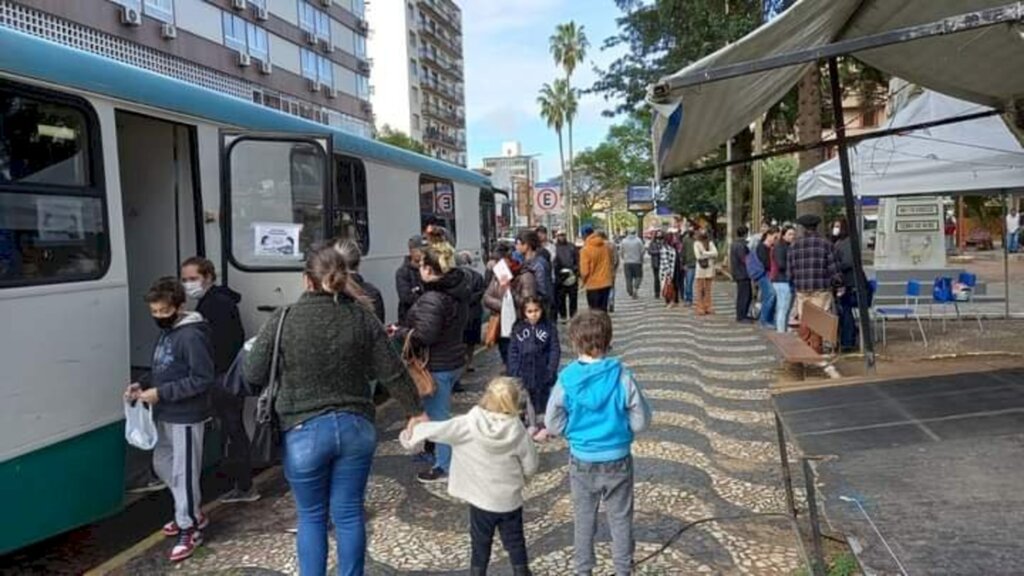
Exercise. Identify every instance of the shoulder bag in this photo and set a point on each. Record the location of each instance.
(266, 438)
(417, 367)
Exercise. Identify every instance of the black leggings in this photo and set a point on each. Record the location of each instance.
(482, 525)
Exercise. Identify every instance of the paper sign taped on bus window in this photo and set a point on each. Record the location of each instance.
(277, 240)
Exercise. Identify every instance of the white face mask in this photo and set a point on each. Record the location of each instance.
(835, 231)
(194, 290)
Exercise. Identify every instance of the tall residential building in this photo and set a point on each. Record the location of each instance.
(418, 73)
(304, 57)
(516, 173)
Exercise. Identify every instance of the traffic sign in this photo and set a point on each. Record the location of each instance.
(547, 199)
(444, 202)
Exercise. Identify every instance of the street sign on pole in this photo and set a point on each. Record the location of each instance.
(640, 198)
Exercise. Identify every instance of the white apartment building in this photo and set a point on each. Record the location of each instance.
(416, 48)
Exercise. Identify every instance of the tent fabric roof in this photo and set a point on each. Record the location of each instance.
(975, 156)
(981, 66)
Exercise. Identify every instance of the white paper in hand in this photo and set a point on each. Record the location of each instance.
(508, 314)
(502, 272)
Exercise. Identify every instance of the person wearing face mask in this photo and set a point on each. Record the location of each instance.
(219, 307)
(177, 388)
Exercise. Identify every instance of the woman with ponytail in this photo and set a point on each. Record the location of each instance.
(435, 325)
(331, 347)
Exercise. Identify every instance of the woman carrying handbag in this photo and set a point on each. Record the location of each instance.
(331, 346)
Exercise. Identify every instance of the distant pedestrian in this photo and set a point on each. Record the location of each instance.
(654, 251)
(219, 307)
(353, 254)
(779, 273)
(688, 264)
(492, 459)
(613, 250)
(812, 269)
(407, 277)
(598, 407)
(738, 267)
(707, 257)
(668, 267)
(1013, 230)
(534, 353)
(567, 271)
(632, 250)
(848, 296)
(545, 249)
(331, 346)
(597, 269)
(762, 253)
(538, 261)
(183, 371)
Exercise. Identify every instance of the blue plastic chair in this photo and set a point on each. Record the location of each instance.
(911, 300)
(971, 282)
(946, 298)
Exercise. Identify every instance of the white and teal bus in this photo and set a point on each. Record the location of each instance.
(109, 176)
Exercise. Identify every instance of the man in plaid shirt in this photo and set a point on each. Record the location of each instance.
(812, 266)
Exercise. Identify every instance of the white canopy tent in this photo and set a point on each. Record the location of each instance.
(978, 156)
(982, 66)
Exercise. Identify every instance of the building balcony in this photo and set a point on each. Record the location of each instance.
(447, 12)
(434, 136)
(430, 34)
(452, 117)
(451, 67)
(448, 91)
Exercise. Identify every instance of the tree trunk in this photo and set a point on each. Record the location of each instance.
(569, 224)
(808, 131)
(567, 190)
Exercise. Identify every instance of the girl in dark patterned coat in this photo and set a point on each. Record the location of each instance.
(534, 353)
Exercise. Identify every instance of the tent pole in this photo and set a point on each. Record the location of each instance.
(851, 217)
(1006, 256)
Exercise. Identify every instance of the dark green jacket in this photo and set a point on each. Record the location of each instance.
(689, 256)
(330, 351)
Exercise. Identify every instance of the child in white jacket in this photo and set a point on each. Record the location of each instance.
(492, 457)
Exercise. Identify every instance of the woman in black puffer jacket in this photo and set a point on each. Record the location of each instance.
(436, 323)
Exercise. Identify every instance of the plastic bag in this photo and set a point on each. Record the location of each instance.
(139, 428)
(508, 314)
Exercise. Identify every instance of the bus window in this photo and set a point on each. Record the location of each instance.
(277, 211)
(53, 224)
(488, 222)
(351, 218)
(437, 201)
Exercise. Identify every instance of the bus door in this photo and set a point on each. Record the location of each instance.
(274, 194)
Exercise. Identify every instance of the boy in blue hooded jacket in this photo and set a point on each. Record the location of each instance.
(598, 406)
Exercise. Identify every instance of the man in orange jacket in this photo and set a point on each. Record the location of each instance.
(597, 271)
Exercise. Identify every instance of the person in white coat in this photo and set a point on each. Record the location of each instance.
(707, 255)
(492, 458)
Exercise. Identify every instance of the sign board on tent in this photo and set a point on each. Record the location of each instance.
(640, 198)
(664, 210)
(547, 199)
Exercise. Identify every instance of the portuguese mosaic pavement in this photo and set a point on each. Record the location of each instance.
(710, 452)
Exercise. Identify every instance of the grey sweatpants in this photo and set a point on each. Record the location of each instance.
(178, 462)
(612, 482)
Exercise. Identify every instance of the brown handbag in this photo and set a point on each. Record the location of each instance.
(492, 333)
(417, 368)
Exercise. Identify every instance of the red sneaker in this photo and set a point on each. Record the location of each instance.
(186, 545)
(172, 529)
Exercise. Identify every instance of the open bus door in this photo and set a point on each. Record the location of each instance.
(275, 194)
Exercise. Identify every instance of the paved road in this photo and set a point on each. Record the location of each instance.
(709, 453)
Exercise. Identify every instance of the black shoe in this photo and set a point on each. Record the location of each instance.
(432, 476)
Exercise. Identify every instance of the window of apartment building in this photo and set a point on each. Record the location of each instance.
(437, 200)
(414, 96)
(53, 225)
(359, 8)
(162, 10)
(351, 216)
(415, 121)
(316, 67)
(413, 69)
(259, 43)
(259, 3)
(359, 46)
(362, 87)
(245, 37)
(314, 20)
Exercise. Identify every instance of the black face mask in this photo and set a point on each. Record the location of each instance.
(167, 322)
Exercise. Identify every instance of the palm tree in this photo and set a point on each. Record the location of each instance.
(569, 46)
(556, 102)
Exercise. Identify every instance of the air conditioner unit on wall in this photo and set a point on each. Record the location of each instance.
(325, 2)
(326, 45)
(364, 26)
(265, 67)
(332, 93)
(131, 16)
(315, 86)
(364, 67)
(168, 31)
(261, 13)
(238, 4)
(244, 59)
(311, 38)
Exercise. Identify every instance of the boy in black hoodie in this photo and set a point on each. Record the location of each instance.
(178, 389)
(219, 307)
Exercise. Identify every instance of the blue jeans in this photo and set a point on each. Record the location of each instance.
(767, 301)
(1014, 241)
(439, 407)
(327, 463)
(783, 305)
(691, 275)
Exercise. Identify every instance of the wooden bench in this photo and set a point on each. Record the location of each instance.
(795, 351)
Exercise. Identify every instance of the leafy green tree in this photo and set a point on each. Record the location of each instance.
(778, 187)
(569, 45)
(557, 101)
(400, 139)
